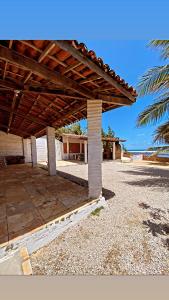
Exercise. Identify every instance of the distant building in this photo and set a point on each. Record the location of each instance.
(75, 147)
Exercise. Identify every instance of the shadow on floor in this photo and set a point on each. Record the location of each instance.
(157, 177)
(153, 225)
(106, 193)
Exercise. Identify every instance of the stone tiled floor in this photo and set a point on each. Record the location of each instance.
(30, 198)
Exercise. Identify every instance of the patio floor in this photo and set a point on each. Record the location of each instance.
(30, 198)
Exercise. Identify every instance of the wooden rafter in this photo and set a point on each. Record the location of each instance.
(70, 68)
(12, 110)
(27, 114)
(60, 62)
(88, 62)
(42, 56)
(42, 71)
(121, 100)
(19, 114)
(18, 131)
(6, 63)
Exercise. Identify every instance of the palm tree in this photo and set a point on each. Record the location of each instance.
(156, 80)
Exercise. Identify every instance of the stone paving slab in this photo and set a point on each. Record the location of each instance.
(29, 198)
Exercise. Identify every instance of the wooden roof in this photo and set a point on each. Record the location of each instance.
(47, 83)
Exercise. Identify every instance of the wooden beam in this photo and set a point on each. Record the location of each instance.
(58, 123)
(42, 56)
(23, 120)
(46, 51)
(6, 64)
(42, 71)
(72, 112)
(120, 100)
(117, 100)
(70, 68)
(20, 132)
(62, 63)
(22, 115)
(9, 85)
(88, 62)
(12, 109)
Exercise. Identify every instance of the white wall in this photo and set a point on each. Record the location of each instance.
(41, 144)
(11, 144)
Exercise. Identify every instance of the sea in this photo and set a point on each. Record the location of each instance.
(148, 153)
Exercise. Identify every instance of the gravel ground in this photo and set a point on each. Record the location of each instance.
(130, 236)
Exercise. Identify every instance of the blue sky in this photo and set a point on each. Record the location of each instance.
(130, 59)
(117, 30)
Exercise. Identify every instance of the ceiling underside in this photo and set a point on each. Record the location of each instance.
(47, 83)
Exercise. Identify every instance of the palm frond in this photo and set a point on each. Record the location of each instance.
(163, 45)
(154, 80)
(162, 133)
(154, 112)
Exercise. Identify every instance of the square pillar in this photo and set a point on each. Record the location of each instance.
(33, 151)
(26, 150)
(85, 152)
(94, 117)
(114, 151)
(50, 132)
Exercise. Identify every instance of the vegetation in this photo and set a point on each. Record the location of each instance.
(74, 129)
(96, 212)
(156, 80)
(77, 129)
(109, 133)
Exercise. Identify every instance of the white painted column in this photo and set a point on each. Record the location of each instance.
(67, 148)
(114, 151)
(26, 149)
(85, 152)
(94, 116)
(33, 151)
(50, 132)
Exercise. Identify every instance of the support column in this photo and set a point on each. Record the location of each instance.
(94, 115)
(85, 152)
(50, 132)
(67, 148)
(26, 149)
(33, 151)
(80, 147)
(114, 151)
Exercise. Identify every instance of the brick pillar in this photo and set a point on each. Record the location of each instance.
(94, 116)
(114, 151)
(85, 152)
(50, 132)
(33, 151)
